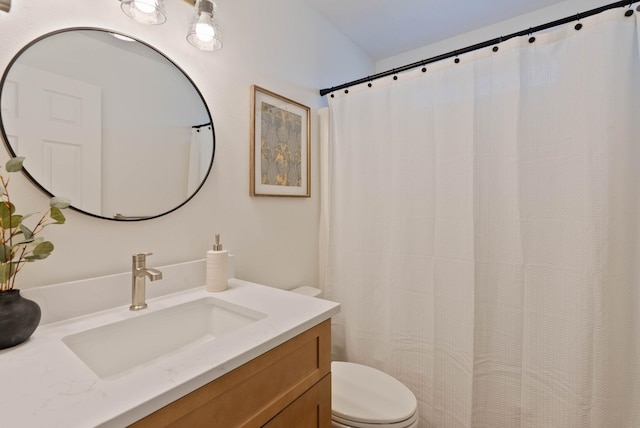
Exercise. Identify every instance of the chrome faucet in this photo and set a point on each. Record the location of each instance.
(139, 272)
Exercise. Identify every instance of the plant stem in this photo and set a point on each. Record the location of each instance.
(18, 268)
(5, 183)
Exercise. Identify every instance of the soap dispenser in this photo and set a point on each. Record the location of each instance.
(217, 267)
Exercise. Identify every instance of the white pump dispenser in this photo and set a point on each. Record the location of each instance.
(217, 267)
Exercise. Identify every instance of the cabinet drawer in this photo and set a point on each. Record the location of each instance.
(311, 410)
(255, 392)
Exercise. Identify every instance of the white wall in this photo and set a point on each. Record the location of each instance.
(281, 45)
(529, 20)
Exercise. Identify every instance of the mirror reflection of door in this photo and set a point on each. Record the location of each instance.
(61, 119)
(133, 110)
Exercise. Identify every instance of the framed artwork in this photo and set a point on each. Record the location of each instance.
(280, 146)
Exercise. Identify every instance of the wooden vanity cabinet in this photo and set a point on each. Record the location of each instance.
(286, 387)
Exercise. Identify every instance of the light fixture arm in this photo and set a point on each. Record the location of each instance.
(205, 6)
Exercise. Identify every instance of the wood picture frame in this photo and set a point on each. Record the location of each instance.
(280, 146)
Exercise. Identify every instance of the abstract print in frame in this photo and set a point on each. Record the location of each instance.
(280, 145)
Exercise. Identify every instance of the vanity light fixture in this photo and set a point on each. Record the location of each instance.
(204, 32)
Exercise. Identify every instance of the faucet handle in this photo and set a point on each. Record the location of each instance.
(141, 257)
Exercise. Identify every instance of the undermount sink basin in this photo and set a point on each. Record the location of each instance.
(119, 347)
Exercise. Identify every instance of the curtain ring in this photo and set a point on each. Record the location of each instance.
(531, 36)
(496, 48)
(578, 26)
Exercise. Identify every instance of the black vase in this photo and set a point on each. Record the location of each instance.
(19, 318)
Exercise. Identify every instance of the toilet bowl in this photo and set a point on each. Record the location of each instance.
(364, 397)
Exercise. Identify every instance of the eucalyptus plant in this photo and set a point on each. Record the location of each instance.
(18, 242)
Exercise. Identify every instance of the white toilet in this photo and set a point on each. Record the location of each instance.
(364, 397)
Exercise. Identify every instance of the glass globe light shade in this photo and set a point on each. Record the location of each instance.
(149, 12)
(205, 33)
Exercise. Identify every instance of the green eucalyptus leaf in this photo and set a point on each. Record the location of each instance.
(24, 243)
(14, 164)
(7, 270)
(59, 202)
(28, 234)
(43, 248)
(32, 243)
(5, 253)
(15, 221)
(57, 215)
(6, 209)
(34, 257)
(37, 241)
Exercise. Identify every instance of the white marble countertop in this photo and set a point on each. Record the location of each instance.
(44, 384)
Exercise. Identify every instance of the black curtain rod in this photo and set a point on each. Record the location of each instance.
(200, 126)
(528, 31)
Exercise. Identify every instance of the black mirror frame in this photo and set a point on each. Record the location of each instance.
(47, 192)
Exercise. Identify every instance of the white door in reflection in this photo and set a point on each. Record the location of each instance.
(61, 119)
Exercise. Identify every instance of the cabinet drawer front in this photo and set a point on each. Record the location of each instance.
(252, 394)
(311, 410)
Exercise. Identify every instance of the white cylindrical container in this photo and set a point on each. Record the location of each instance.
(217, 267)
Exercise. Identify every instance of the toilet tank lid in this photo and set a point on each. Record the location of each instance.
(363, 394)
(308, 291)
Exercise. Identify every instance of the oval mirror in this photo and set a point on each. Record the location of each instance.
(107, 122)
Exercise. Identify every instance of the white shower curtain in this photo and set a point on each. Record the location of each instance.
(200, 154)
(484, 230)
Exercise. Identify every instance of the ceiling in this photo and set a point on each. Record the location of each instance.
(385, 28)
